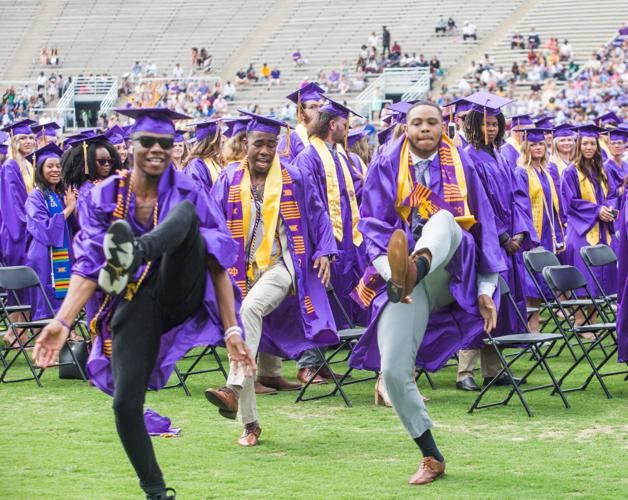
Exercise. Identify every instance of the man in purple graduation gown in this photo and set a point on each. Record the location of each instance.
(284, 244)
(330, 170)
(308, 100)
(453, 304)
(145, 235)
(615, 165)
(513, 220)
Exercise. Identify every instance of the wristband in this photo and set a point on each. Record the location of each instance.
(64, 324)
(233, 330)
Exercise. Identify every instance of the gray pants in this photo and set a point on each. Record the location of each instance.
(310, 359)
(263, 298)
(401, 327)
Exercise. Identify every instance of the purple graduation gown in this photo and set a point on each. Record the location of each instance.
(513, 215)
(45, 232)
(202, 328)
(450, 328)
(618, 174)
(622, 296)
(582, 215)
(197, 170)
(546, 238)
(510, 154)
(349, 266)
(296, 145)
(289, 331)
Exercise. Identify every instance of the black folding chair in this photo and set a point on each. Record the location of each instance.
(526, 343)
(348, 338)
(13, 279)
(568, 280)
(600, 256)
(197, 357)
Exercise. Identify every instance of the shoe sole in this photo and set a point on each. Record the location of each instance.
(397, 253)
(223, 409)
(118, 249)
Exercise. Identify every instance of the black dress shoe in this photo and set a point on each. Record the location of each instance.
(467, 384)
(502, 380)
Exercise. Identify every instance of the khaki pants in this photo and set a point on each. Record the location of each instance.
(467, 359)
(263, 298)
(268, 365)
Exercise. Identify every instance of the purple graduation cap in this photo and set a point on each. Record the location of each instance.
(260, 123)
(90, 132)
(115, 135)
(23, 127)
(588, 130)
(3, 146)
(159, 425)
(521, 121)
(45, 129)
(458, 106)
(564, 130)
(309, 92)
(609, 118)
(338, 109)
(488, 104)
(383, 136)
(400, 109)
(179, 136)
(355, 135)
(71, 140)
(535, 135)
(206, 128)
(50, 150)
(388, 118)
(545, 121)
(152, 120)
(236, 125)
(618, 134)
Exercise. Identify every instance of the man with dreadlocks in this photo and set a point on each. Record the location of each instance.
(485, 128)
(144, 236)
(284, 242)
(308, 100)
(336, 181)
(423, 197)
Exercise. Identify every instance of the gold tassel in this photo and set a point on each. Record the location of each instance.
(86, 166)
(299, 112)
(286, 151)
(485, 129)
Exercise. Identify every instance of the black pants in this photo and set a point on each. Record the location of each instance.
(173, 292)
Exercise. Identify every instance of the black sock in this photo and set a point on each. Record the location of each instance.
(428, 447)
(422, 268)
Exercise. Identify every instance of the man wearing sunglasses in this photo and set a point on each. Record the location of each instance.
(145, 235)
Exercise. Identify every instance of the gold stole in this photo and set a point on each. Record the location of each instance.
(539, 203)
(333, 191)
(587, 191)
(270, 212)
(405, 184)
(302, 133)
(604, 147)
(213, 167)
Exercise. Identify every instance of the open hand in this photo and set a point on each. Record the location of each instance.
(488, 311)
(240, 353)
(324, 269)
(49, 343)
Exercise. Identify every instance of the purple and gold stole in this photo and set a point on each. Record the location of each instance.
(59, 256)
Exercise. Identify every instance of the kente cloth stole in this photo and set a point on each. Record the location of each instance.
(540, 204)
(59, 256)
(302, 133)
(411, 195)
(587, 191)
(213, 167)
(278, 201)
(333, 191)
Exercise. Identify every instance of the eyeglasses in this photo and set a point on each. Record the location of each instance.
(104, 161)
(148, 141)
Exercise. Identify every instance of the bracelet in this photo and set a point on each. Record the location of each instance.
(63, 323)
(233, 330)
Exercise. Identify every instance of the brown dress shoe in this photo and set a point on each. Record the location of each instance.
(225, 399)
(326, 374)
(430, 469)
(279, 383)
(250, 436)
(305, 374)
(264, 390)
(402, 267)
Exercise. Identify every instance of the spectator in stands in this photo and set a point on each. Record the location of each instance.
(469, 31)
(229, 91)
(54, 57)
(422, 62)
(43, 57)
(251, 74)
(435, 65)
(41, 82)
(298, 59)
(333, 80)
(220, 106)
(385, 41)
(201, 58)
(396, 49)
(488, 61)
(241, 77)
(194, 57)
(177, 71)
(358, 81)
(150, 70)
(372, 41)
(136, 71)
(534, 40)
(517, 41)
(265, 72)
(208, 63)
(451, 24)
(441, 26)
(564, 52)
(275, 77)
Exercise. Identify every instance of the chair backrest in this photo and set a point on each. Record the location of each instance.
(18, 278)
(503, 286)
(564, 278)
(504, 291)
(539, 258)
(598, 255)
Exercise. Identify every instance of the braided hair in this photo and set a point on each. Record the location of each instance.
(73, 162)
(473, 123)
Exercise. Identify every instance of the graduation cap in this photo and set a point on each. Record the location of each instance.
(400, 109)
(618, 134)
(383, 136)
(23, 127)
(206, 128)
(355, 136)
(45, 129)
(609, 118)
(90, 132)
(338, 109)
(179, 136)
(488, 104)
(236, 125)
(115, 135)
(544, 121)
(261, 123)
(535, 135)
(520, 121)
(3, 147)
(152, 120)
(309, 92)
(588, 130)
(50, 150)
(457, 106)
(564, 130)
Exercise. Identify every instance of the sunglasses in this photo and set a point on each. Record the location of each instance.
(104, 161)
(148, 141)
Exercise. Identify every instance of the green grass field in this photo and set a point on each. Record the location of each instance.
(59, 442)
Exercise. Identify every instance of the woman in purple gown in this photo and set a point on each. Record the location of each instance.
(48, 208)
(534, 178)
(589, 196)
(204, 162)
(615, 165)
